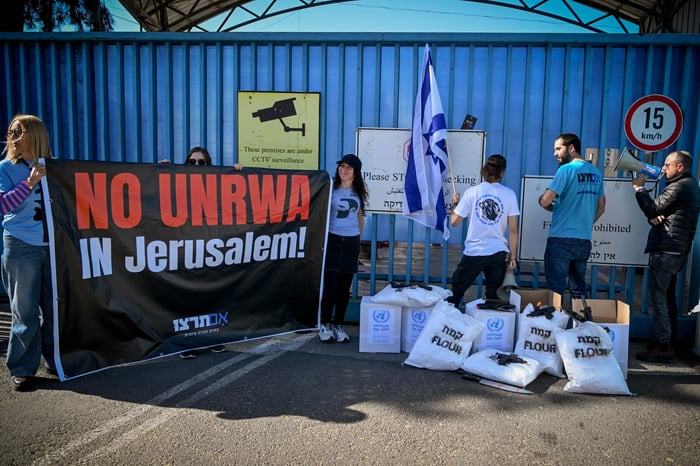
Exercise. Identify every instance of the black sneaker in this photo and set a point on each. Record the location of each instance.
(188, 355)
(21, 384)
(217, 349)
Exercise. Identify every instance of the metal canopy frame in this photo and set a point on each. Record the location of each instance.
(188, 15)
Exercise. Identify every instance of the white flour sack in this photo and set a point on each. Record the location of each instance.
(536, 339)
(415, 296)
(445, 340)
(486, 364)
(589, 361)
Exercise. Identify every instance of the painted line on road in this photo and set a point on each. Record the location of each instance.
(273, 345)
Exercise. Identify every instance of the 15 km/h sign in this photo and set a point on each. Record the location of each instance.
(653, 122)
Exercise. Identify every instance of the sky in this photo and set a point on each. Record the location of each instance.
(412, 16)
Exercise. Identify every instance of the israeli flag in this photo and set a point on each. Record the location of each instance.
(423, 198)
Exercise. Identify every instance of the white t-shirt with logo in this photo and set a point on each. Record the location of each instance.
(488, 206)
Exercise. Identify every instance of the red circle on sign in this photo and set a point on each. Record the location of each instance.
(660, 141)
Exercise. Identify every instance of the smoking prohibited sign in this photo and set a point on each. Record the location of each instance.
(653, 122)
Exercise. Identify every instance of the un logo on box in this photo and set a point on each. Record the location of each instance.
(495, 324)
(381, 316)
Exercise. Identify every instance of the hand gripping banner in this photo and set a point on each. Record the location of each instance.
(152, 260)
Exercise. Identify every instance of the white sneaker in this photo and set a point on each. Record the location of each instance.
(340, 335)
(325, 333)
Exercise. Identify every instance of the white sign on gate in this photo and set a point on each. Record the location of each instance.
(384, 155)
(619, 235)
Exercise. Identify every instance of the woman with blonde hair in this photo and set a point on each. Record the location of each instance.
(26, 271)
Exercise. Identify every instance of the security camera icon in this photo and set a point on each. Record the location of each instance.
(279, 110)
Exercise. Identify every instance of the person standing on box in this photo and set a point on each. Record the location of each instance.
(673, 217)
(492, 235)
(576, 198)
(348, 201)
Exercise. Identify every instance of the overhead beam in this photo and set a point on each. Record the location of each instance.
(186, 15)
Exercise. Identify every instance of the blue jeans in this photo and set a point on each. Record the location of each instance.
(565, 263)
(26, 274)
(662, 269)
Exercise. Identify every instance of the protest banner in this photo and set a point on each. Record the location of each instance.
(151, 260)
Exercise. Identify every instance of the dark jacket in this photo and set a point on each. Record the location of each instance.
(679, 203)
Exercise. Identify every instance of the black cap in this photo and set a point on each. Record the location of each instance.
(353, 161)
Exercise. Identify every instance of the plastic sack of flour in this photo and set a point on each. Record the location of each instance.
(415, 296)
(536, 339)
(446, 339)
(589, 361)
(486, 364)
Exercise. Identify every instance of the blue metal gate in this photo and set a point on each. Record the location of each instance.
(142, 97)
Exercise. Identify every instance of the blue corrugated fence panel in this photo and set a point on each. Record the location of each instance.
(145, 97)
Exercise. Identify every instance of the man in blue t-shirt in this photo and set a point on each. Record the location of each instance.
(577, 200)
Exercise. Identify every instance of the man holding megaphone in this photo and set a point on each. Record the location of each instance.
(673, 217)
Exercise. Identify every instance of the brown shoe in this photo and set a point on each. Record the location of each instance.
(651, 344)
(657, 352)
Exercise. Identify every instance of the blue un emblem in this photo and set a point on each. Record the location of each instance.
(380, 316)
(418, 317)
(495, 324)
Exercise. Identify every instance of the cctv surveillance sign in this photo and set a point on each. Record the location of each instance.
(279, 130)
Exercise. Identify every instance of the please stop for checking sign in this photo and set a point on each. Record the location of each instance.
(653, 122)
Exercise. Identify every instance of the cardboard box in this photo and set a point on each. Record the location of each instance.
(500, 327)
(614, 316)
(412, 322)
(521, 298)
(380, 327)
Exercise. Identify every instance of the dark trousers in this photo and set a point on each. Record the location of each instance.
(673, 308)
(661, 288)
(493, 266)
(336, 293)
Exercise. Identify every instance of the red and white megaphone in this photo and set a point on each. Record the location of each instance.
(629, 162)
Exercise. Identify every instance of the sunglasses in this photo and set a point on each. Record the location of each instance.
(15, 133)
(197, 162)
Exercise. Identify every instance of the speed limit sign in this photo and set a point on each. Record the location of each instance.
(653, 122)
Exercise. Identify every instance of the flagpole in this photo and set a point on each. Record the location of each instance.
(449, 163)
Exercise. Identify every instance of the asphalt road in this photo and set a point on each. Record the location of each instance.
(293, 400)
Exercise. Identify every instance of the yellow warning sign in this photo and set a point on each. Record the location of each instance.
(279, 130)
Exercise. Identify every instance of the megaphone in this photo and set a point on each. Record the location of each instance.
(629, 162)
(509, 283)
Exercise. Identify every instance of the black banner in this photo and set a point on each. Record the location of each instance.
(151, 260)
